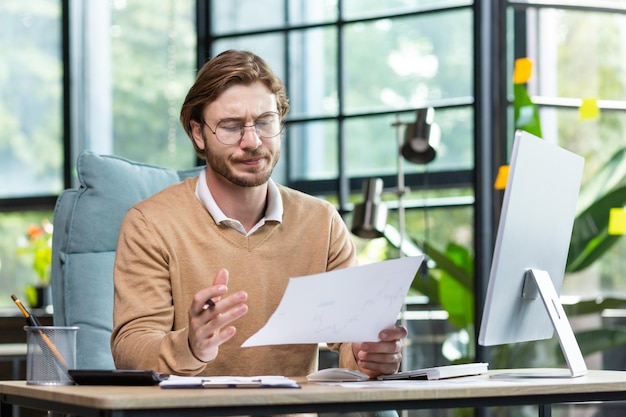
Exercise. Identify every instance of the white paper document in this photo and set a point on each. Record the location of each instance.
(266, 381)
(345, 305)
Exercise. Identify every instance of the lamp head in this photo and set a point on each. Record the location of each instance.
(370, 217)
(419, 138)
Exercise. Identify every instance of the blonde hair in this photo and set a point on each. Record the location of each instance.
(226, 69)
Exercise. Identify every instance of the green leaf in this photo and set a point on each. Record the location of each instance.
(611, 175)
(598, 340)
(457, 300)
(592, 306)
(590, 238)
(526, 112)
(428, 285)
(457, 262)
(454, 286)
(455, 296)
(31, 295)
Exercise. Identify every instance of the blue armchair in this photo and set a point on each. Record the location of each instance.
(86, 226)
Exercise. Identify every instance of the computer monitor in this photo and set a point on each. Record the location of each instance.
(534, 233)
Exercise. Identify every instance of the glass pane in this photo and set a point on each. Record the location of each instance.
(609, 4)
(303, 12)
(269, 47)
(30, 103)
(405, 62)
(596, 140)
(16, 258)
(235, 16)
(353, 9)
(313, 73)
(371, 146)
(603, 279)
(372, 143)
(313, 150)
(246, 15)
(455, 150)
(153, 64)
(131, 72)
(580, 54)
(441, 226)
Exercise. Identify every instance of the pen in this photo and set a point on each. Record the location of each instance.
(32, 321)
(208, 304)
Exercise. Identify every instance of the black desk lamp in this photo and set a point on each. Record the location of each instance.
(419, 138)
(370, 217)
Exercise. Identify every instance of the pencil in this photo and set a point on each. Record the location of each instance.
(32, 321)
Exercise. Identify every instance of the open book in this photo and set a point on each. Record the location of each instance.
(440, 372)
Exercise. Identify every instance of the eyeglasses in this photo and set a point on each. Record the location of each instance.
(230, 131)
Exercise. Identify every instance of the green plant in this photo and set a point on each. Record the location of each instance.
(37, 244)
(605, 190)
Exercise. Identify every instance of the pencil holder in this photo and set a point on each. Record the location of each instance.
(51, 352)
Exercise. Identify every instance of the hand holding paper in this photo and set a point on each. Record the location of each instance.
(347, 305)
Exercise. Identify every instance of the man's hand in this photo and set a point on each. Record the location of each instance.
(209, 322)
(382, 357)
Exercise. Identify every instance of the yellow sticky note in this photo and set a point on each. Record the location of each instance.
(503, 176)
(589, 109)
(617, 221)
(522, 70)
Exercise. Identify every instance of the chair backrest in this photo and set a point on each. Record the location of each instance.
(86, 226)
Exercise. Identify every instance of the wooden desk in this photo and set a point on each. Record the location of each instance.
(110, 401)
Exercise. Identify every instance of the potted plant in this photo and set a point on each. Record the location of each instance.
(37, 244)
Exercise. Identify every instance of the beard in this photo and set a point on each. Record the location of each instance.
(220, 166)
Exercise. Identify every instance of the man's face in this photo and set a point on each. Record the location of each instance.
(250, 161)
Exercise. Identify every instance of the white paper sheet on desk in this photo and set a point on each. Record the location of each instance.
(346, 305)
(266, 381)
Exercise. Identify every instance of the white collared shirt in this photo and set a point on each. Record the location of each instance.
(273, 212)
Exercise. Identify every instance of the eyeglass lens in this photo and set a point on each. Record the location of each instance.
(230, 131)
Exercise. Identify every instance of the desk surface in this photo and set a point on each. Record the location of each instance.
(480, 391)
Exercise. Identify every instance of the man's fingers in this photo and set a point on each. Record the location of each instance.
(221, 277)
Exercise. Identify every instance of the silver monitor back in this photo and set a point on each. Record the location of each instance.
(534, 232)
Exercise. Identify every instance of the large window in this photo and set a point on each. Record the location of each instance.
(350, 70)
(128, 65)
(31, 145)
(31, 133)
(133, 64)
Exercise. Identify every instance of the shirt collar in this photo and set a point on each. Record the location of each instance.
(273, 212)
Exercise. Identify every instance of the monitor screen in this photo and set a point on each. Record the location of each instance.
(532, 242)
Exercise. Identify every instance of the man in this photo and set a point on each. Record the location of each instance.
(202, 265)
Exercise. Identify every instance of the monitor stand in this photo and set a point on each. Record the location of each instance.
(538, 283)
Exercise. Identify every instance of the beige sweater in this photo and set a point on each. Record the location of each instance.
(170, 247)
